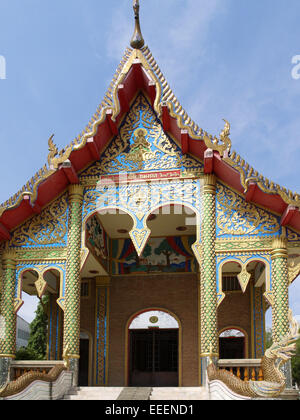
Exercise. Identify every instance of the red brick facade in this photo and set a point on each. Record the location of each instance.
(175, 293)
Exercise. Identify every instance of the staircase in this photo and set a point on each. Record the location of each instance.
(137, 394)
(94, 393)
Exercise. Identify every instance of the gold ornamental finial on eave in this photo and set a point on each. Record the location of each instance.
(137, 40)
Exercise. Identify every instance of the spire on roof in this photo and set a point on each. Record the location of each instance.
(137, 40)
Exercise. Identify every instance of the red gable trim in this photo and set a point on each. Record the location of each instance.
(136, 80)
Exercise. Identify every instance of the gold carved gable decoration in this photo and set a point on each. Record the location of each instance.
(141, 145)
(237, 217)
(47, 228)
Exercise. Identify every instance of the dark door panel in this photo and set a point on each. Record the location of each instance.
(83, 376)
(232, 347)
(154, 357)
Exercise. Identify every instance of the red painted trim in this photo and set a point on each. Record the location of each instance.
(69, 172)
(208, 161)
(112, 125)
(124, 103)
(165, 118)
(250, 192)
(184, 141)
(152, 91)
(35, 208)
(4, 233)
(93, 148)
(135, 80)
(288, 214)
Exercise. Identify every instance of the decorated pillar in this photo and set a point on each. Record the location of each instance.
(8, 318)
(55, 324)
(280, 289)
(258, 321)
(102, 331)
(208, 287)
(72, 289)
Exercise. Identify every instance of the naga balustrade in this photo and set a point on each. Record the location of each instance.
(18, 368)
(244, 369)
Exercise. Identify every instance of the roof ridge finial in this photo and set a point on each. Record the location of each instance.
(137, 40)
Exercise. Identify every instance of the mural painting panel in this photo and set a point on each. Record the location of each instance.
(97, 241)
(161, 255)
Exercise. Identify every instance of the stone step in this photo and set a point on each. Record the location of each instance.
(94, 393)
(179, 394)
(135, 393)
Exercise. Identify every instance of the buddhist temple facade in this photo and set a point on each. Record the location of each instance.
(159, 248)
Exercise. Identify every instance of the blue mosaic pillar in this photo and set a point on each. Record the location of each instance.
(102, 331)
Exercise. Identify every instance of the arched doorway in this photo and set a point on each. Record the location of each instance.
(232, 344)
(153, 339)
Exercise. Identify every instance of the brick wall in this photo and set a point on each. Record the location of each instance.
(176, 293)
(235, 310)
(87, 309)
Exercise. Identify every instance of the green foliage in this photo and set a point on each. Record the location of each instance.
(269, 340)
(24, 353)
(165, 249)
(37, 344)
(38, 331)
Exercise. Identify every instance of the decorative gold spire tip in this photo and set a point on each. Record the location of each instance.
(137, 40)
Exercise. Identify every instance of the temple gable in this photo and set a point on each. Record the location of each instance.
(49, 228)
(236, 217)
(140, 146)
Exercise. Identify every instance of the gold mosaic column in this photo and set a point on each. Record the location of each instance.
(72, 289)
(208, 287)
(280, 289)
(55, 322)
(258, 321)
(8, 317)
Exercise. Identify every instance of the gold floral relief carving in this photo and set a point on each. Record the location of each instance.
(237, 217)
(293, 270)
(293, 237)
(91, 199)
(47, 228)
(141, 145)
(244, 244)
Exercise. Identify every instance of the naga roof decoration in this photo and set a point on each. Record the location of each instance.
(138, 71)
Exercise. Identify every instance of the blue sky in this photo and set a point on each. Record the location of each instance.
(223, 58)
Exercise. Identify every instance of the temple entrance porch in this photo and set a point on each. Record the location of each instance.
(116, 285)
(136, 285)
